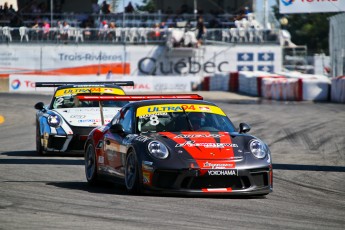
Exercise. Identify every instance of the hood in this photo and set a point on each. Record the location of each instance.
(205, 145)
(87, 117)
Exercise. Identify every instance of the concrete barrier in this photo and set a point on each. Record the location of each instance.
(338, 89)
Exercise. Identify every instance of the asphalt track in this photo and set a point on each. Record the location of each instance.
(307, 141)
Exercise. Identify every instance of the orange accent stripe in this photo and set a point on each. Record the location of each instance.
(217, 190)
(115, 68)
(4, 75)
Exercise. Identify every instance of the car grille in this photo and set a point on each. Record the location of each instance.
(187, 179)
(56, 142)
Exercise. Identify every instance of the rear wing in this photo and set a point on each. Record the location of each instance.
(135, 98)
(138, 97)
(97, 83)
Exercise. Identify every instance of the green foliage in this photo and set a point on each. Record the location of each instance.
(147, 5)
(310, 29)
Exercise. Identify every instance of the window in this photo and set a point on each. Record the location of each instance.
(126, 118)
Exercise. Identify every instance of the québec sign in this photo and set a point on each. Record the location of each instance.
(152, 66)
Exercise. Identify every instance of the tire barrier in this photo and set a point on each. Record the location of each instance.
(338, 89)
(282, 89)
(281, 86)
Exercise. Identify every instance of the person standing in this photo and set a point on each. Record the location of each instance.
(201, 28)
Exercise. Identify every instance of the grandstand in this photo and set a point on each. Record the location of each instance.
(226, 22)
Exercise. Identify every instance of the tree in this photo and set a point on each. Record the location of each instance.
(309, 29)
(147, 5)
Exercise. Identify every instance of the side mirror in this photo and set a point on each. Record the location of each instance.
(39, 106)
(117, 128)
(244, 128)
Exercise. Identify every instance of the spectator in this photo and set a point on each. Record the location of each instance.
(65, 30)
(103, 30)
(105, 7)
(112, 32)
(201, 28)
(46, 29)
(129, 8)
(95, 7)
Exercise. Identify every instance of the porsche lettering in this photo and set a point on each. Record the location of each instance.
(206, 145)
(199, 136)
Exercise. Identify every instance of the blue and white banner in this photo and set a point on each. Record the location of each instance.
(266, 56)
(311, 6)
(266, 68)
(245, 68)
(245, 57)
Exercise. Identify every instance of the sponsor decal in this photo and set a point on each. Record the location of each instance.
(92, 121)
(154, 109)
(199, 136)
(101, 160)
(142, 138)
(230, 172)
(78, 116)
(206, 145)
(204, 108)
(287, 2)
(147, 177)
(154, 114)
(84, 90)
(15, 84)
(218, 165)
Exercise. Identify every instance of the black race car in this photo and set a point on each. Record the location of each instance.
(177, 145)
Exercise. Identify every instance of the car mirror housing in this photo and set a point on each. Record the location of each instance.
(244, 128)
(117, 128)
(39, 106)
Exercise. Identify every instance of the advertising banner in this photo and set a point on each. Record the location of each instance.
(311, 6)
(149, 60)
(157, 84)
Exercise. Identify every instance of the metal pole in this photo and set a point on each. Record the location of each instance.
(265, 14)
(51, 13)
(195, 10)
(124, 37)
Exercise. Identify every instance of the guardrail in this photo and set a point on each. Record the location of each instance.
(132, 35)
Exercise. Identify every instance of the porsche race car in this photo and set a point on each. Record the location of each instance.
(64, 124)
(177, 144)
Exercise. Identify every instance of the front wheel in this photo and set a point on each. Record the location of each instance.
(91, 165)
(132, 179)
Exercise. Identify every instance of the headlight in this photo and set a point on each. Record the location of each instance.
(258, 149)
(54, 120)
(158, 150)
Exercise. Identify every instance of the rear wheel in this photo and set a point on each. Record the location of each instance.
(39, 148)
(132, 180)
(90, 164)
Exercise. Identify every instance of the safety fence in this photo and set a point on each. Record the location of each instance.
(131, 35)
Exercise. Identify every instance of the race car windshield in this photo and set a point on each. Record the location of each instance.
(71, 101)
(184, 121)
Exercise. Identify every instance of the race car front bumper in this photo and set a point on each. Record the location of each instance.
(255, 181)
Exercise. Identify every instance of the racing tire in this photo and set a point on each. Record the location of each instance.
(39, 148)
(91, 164)
(132, 179)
